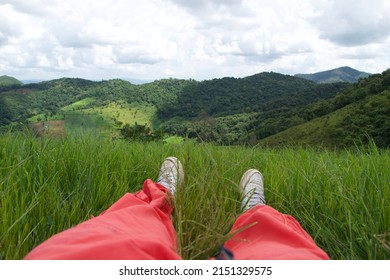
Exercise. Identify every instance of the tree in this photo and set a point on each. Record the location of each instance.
(139, 133)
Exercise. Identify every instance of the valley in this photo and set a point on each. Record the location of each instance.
(259, 109)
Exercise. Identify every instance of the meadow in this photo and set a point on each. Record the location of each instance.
(50, 184)
(80, 117)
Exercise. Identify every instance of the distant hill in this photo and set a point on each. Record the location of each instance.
(262, 92)
(342, 74)
(362, 111)
(7, 80)
(233, 111)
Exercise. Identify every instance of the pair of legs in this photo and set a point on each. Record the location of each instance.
(138, 226)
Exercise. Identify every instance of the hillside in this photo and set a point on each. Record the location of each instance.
(172, 99)
(61, 98)
(342, 74)
(7, 80)
(227, 111)
(227, 96)
(363, 112)
(231, 111)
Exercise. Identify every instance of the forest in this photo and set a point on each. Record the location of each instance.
(227, 111)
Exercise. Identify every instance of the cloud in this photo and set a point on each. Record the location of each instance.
(190, 39)
(36, 8)
(210, 15)
(3, 38)
(75, 35)
(201, 5)
(136, 55)
(353, 23)
(268, 32)
(86, 34)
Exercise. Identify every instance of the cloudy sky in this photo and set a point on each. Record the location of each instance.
(199, 39)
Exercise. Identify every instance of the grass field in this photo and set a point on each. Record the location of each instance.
(79, 104)
(79, 123)
(103, 120)
(48, 185)
(125, 113)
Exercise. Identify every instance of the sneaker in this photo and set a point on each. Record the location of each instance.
(171, 174)
(252, 189)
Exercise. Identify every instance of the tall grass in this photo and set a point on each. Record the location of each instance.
(48, 185)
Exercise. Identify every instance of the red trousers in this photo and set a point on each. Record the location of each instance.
(138, 227)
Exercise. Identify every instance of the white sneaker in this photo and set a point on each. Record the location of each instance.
(171, 174)
(252, 189)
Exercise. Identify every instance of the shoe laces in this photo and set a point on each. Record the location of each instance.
(254, 198)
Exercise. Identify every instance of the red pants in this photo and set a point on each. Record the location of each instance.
(138, 226)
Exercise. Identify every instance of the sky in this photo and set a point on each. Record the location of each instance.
(198, 39)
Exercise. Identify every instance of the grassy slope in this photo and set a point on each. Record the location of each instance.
(78, 117)
(79, 104)
(48, 185)
(125, 113)
(310, 133)
(347, 125)
(7, 80)
(76, 123)
(104, 119)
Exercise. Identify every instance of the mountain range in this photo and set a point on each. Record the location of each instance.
(266, 108)
(342, 74)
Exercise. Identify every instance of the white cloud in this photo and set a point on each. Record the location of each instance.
(200, 39)
(353, 23)
(35, 8)
(17, 27)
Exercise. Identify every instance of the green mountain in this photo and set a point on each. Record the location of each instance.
(342, 74)
(227, 96)
(362, 112)
(232, 111)
(269, 108)
(66, 98)
(7, 80)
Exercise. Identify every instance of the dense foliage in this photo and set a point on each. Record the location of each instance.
(225, 111)
(265, 104)
(357, 114)
(141, 133)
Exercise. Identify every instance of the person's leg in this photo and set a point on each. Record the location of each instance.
(137, 226)
(265, 233)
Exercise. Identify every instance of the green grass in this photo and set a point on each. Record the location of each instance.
(125, 113)
(77, 123)
(100, 120)
(43, 117)
(79, 104)
(48, 185)
(174, 140)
